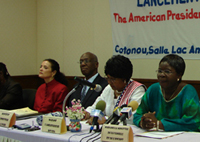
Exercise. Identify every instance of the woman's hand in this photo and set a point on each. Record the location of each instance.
(102, 121)
(148, 121)
(87, 115)
(90, 121)
(99, 121)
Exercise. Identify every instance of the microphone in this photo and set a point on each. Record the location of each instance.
(115, 116)
(97, 113)
(111, 117)
(96, 87)
(126, 112)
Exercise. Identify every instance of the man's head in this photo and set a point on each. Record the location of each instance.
(89, 64)
(4, 70)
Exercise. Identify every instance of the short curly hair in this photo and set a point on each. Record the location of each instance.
(175, 61)
(119, 66)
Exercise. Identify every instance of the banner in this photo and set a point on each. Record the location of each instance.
(155, 28)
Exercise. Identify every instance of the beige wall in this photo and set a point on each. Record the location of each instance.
(63, 30)
(18, 36)
(68, 28)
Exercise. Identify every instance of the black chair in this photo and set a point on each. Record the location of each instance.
(29, 97)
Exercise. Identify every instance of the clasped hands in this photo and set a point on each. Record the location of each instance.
(148, 121)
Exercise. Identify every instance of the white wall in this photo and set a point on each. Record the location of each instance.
(63, 30)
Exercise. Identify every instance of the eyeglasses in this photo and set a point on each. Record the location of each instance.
(86, 61)
(111, 79)
(166, 72)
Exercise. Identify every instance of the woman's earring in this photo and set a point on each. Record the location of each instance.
(178, 79)
(125, 81)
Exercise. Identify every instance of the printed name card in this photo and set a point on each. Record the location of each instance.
(116, 133)
(7, 119)
(53, 124)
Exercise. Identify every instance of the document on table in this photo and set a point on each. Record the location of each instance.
(24, 112)
(158, 135)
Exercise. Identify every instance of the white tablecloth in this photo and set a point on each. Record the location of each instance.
(15, 135)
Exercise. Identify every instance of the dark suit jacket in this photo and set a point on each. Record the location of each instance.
(91, 94)
(11, 95)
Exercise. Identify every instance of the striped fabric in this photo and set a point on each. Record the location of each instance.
(128, 92)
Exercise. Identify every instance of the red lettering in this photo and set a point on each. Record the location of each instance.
(130, 17)
(119, 19)
(115, 15)
(170, 14)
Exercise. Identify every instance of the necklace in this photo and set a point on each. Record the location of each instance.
(175, 93)
(171, 97)
(119, 92)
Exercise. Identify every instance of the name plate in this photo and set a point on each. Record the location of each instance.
(7, 119)
(116, 133)
(53, 124)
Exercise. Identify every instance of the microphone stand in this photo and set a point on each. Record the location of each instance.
(67, 96)
(125, 122)
(97, 126)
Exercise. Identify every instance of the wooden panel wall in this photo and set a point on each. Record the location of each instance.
(33, 81)
(148, 82)
(28, 81)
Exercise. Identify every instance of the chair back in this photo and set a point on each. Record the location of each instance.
(29, 97)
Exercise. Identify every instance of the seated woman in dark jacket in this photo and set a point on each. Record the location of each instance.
(10, 91)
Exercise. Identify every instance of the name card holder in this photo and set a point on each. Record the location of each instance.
(53, 124)
(116, 133)
(7, 119)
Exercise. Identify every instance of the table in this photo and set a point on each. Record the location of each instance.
(39, 136)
